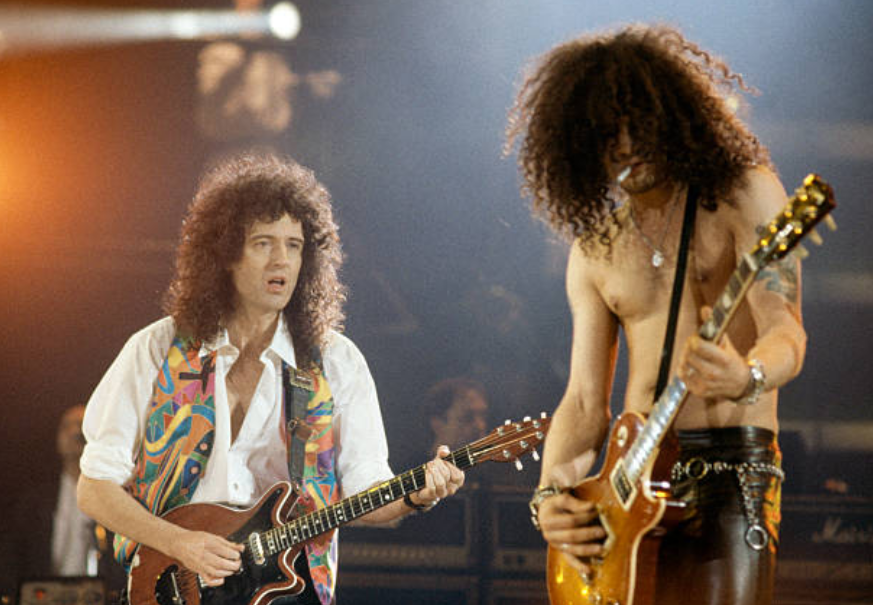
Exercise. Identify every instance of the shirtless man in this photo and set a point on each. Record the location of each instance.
(613, 129)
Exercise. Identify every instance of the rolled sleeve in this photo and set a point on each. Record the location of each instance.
(117, 411)
(361, 446)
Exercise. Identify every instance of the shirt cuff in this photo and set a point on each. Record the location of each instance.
(105, 464)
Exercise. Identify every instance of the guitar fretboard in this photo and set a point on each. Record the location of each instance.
(310, 525)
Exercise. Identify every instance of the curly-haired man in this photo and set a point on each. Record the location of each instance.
(246, 382)
(613, 130)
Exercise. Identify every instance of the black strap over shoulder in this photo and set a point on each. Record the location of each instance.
(678, 283)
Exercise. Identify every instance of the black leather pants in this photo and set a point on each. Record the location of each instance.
(711, 557)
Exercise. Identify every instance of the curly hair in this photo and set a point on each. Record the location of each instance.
(231, 197)
(669, 92)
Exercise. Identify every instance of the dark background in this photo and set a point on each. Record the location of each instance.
(100, 153)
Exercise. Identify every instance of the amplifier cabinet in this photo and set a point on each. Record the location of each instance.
(62, 591)
(506, 591)
(825, 550)
(827, 527)
(442, 538)
(362, 588)
(516, 547)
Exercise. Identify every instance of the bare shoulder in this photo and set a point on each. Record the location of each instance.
(759, 196)
(592, 276)
(589, 257)
(581, 268)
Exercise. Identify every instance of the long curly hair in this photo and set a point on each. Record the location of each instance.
(671, 94)
(231, 197)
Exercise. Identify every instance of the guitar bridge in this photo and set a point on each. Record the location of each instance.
(170, 586)
(256, 547)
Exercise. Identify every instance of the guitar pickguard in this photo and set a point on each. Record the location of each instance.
(171, 585)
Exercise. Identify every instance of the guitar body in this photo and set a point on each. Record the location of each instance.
(632, 536)
(156, 579)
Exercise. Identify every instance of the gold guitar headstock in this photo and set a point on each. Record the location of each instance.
(810, 204)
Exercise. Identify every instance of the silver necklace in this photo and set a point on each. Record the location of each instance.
(657, 255)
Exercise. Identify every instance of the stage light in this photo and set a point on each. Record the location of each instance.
(184, 26)
(25, 29)
(284, 19)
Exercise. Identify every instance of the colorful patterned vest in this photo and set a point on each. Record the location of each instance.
(180, 431)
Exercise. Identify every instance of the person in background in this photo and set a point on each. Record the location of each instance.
(456, 411)
(47, 535)
(73, 533)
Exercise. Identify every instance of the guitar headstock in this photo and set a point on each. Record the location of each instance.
(810, 203)
(514, 439)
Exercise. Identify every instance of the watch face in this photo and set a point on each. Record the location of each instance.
(757, 372)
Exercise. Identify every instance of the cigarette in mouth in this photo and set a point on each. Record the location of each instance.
(623, 174)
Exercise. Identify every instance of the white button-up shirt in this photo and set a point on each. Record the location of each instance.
(240, 472)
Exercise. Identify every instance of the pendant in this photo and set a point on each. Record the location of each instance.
(657, 259)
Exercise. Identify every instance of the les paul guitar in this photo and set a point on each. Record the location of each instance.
(629, 508)
(273, 539)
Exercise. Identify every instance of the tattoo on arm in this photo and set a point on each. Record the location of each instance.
(781, 277)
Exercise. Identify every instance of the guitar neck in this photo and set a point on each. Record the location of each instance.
(312, 524)
(667, 406)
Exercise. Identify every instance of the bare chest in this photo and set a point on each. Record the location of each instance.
(242, 381)
(638, 292)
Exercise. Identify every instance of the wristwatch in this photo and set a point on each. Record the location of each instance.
(540, 494)
(756, 383)
(422, 508)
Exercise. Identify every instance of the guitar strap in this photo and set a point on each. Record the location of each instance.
(298, 388)
(678, 283)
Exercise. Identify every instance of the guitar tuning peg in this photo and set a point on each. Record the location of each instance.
(542, 414)
(830, 222)
(507, 421)
(527, 419)
(815, 237)
(801, 252)
(518, 465)
(535, 455)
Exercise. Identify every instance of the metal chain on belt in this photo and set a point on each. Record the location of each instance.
(697, 468)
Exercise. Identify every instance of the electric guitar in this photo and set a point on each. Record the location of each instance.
(629, 505)
(274, 538)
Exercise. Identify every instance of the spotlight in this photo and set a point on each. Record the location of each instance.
(284, 19)
(23, 30)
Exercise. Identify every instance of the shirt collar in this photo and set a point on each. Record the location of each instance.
(281, 344)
